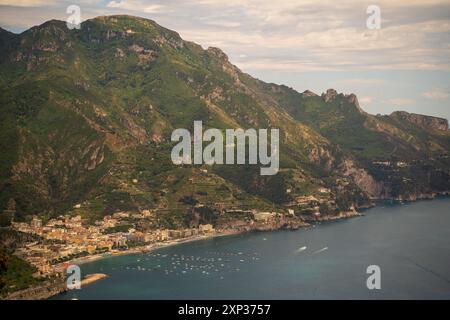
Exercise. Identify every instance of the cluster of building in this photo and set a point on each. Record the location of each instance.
(67, 238)
(386, 163)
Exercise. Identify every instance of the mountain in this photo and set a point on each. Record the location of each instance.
(86, 119)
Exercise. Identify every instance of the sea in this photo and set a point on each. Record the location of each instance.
(406, 246)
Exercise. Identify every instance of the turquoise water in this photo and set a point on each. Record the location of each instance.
(410, 243)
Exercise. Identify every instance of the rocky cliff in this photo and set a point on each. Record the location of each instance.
(41, 292)
(427, 122)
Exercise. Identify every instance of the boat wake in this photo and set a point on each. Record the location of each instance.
(300, 249)
(321, 250)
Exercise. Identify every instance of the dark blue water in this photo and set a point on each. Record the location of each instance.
(410, 243)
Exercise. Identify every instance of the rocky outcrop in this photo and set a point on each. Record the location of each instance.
(333, 217)
(322, 156)
(144, 55)
(362, 179)
(218, 53)
(136, 131)
(427, 122)
(227, 67)
(308, 93)
(353, 99)
(330, 95)
(44, 291)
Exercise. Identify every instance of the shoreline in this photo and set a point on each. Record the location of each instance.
(155, 246)
(297, 252)
(341, 216)
(151, 247)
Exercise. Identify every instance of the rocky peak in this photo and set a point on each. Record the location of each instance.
(218, 53)
(50, 37)
(123, 21)
(427, 122)
(330, 95)
(352, 98)
(227, 66)
(50, 28)
(308, 93)
(123, 26)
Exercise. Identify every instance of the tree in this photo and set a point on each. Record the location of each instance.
(3, 267)
(189, 200)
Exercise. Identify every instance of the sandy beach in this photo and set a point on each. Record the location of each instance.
(90, 278)
(149, 248)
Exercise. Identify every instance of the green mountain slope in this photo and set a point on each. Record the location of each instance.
(86, 118)
(407, 153)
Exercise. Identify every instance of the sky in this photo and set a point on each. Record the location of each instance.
(305, 44)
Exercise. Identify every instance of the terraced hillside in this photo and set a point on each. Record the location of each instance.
(86, 119)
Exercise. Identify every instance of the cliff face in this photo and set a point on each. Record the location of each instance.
(402, 156)
(374, 189)
(330, 95)
(427, 122)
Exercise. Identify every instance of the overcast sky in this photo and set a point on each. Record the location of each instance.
(305, 44)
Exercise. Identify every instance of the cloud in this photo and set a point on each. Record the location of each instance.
(366, 100)
(399, 101)
(308, 44)
(225, 24)
(288, 36)
(392, 48)
(135, 6)
(25, 3)
(362, 82)
(436, 93)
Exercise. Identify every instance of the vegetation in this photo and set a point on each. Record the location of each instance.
(15, 273)
(87, 117)
(119, 228)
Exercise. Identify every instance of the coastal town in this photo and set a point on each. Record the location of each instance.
(67, 238)
(70, 239)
